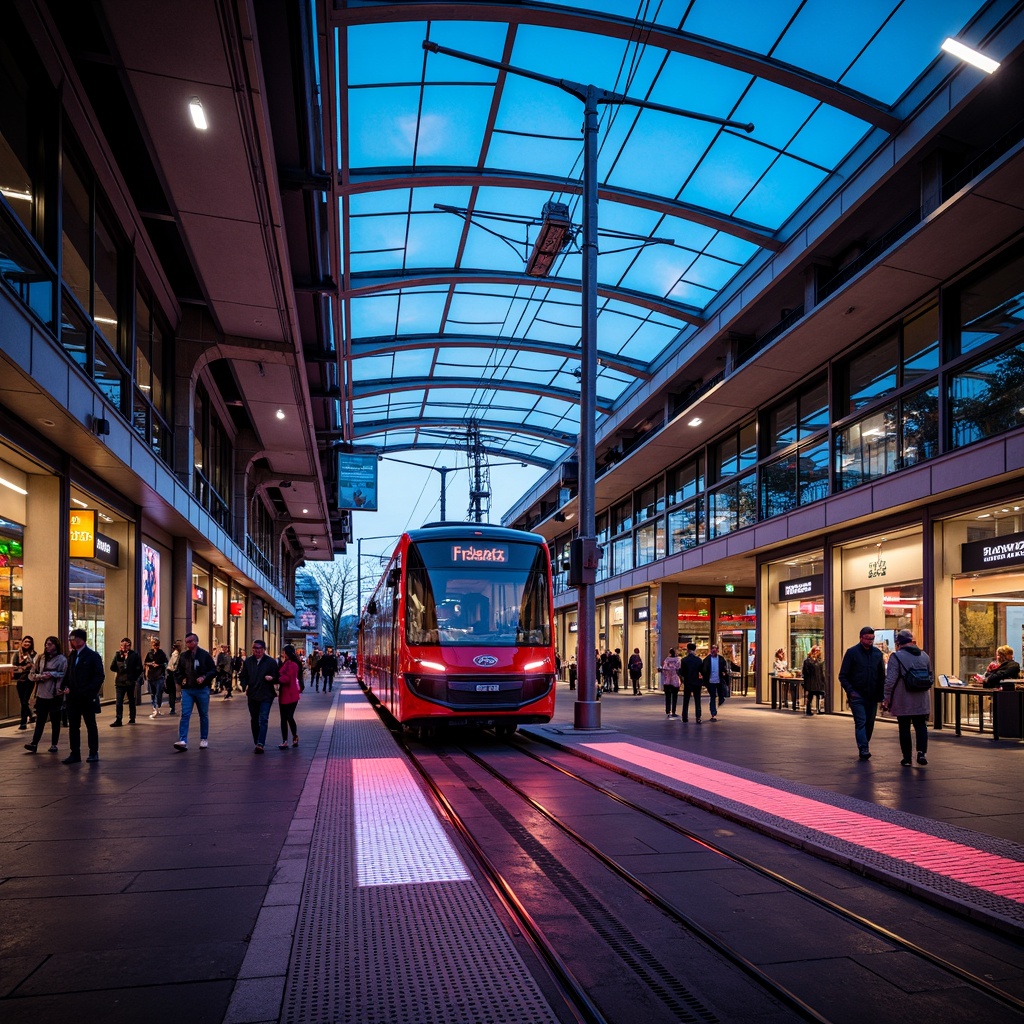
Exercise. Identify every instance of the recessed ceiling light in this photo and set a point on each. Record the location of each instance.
(280, 414)
(13, 487)
(305, 511)
(195, 109)
(695, 422)
(47, 423)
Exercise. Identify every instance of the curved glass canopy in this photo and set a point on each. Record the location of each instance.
(444, 167)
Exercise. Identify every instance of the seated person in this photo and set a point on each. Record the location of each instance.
(1005, 670)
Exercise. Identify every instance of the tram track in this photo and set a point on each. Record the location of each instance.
(463, 765)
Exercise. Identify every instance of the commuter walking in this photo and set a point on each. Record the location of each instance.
(714, 672)
(616, 663)
(171, 677)
(670, 682)
(23, 660)
(47, 674)
(127, 668)
(908, 695)
(862, 677)
(236, 670)
(814, 679)
(328, 666)
(82, 684)
(194, 674)
(156, 672)
(224, 670)
(314, 668)
(260, 675)
(291, 686)
(574, 672)
(690, 672)
(635, 667)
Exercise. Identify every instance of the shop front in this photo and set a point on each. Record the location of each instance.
(980, 608)
(793, 622)
(880, 584)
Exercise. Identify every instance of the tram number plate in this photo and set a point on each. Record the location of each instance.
(487, 687)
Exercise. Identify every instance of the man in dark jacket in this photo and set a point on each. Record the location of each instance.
(714, 672)
(862, 677)
(690, 670)
(82, 684)
(127, 669)
(259, 683)
(635, 665)
(194, 674)
(328, 666)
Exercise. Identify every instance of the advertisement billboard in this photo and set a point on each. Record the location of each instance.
(150, 587)
(357, 482)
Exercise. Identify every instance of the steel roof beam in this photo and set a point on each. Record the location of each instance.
(373, 283)
(629, 29)
(379, 179)
(362, 347)
(366, 428)
(392, 385)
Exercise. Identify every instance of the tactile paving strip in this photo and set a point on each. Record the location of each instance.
(398, 952)
(981, 875)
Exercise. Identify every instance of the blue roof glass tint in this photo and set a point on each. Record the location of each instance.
(420, 129)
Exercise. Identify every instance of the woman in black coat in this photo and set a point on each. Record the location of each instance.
(814, 678)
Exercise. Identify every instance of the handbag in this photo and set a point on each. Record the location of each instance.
(724, 689)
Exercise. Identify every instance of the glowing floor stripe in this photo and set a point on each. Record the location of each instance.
(359, 712)
(398, 837)
(989, 872)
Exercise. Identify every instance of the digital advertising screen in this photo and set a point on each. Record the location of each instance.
(357, 482)
(150, 587)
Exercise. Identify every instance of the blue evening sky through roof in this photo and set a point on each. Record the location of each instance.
(402, 110)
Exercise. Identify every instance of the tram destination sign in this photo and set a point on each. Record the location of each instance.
(994, 553)
(495, 554)
(802, 587)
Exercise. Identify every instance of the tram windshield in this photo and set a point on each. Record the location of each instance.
(468, 594)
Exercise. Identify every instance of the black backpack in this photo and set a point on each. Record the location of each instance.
(916, 679)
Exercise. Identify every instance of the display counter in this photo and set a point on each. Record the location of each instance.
(783, 685)
(1005, 707)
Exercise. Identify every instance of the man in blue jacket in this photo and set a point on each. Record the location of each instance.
(82, 684)
(862, 676)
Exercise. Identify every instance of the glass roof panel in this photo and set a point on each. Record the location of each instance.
(402, 110)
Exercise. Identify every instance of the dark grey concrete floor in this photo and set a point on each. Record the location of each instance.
(129, 888)
(971, 780)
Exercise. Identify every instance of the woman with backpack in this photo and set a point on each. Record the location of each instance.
(908, 694)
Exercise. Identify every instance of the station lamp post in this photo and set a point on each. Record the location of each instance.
(587, 712)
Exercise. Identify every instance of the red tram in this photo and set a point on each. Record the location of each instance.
(460, 630)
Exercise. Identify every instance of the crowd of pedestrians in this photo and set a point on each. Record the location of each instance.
(63, 690)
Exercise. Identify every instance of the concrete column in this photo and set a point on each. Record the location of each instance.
(666, 619)
(181, 584)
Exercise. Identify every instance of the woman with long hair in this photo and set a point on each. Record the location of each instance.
(814, 678)
(288, 695)
(46, 675)
(24, 658)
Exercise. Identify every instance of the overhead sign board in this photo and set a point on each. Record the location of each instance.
(83, 533)
(993, 553)
(357, 482)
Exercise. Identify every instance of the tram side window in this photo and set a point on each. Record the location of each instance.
(420, 609)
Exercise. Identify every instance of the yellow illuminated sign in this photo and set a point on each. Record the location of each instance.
(83, 533)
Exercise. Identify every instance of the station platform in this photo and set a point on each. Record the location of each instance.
(316, 883)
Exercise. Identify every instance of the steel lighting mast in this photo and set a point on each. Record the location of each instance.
(587, 712)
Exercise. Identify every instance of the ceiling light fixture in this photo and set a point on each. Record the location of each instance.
(195, 109)
(553, 237)
(280, 414)
(13, 487)
(695, 422)
(13, 193)
(970, 56)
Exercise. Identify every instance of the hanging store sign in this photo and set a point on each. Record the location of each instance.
(802, 587)
(641, 614)
(83, 533)
(994, 553)
(107, 550)
(198, 594)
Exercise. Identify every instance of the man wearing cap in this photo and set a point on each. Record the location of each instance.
(862, 677)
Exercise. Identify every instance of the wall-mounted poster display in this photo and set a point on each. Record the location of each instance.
(150, 587)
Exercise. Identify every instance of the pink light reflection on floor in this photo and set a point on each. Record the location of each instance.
(989, 872)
